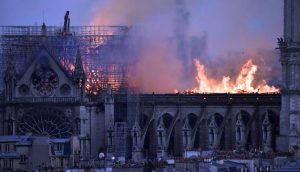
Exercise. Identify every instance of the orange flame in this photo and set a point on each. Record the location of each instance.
(243, 83)
(97, 77)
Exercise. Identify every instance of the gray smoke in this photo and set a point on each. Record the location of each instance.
(169, 34)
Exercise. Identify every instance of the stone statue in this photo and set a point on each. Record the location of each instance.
(66, 22)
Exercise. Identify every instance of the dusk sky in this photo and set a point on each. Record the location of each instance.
(246, 23)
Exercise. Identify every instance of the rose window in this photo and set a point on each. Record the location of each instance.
(46, 122)
(44, 80)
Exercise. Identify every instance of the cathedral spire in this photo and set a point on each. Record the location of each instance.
(79, 74)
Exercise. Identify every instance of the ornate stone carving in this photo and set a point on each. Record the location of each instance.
(45, 121)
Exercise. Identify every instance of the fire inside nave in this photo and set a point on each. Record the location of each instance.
(103, 50)
(244, 82)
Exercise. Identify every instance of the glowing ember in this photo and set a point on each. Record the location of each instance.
(243, 84)
(98, 76)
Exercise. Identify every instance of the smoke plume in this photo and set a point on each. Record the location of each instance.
(168, 35)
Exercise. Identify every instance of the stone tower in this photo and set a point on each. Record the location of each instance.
(290, 59)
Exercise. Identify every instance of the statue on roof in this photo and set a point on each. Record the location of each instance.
(66, 22)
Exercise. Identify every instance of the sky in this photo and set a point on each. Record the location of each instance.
(227, 31)
(33, 12)
(222, 20)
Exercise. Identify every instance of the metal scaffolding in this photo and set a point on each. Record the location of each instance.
(102, 50)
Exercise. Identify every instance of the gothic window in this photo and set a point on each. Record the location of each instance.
(44, 80)
(45, 121)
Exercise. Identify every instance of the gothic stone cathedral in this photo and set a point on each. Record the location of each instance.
(45, 95)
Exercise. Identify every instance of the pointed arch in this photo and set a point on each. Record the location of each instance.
(167, 120)
(243, 129)
(192, 119)
(149, 140)
(273, 119)
(215, 133)
(143, 119)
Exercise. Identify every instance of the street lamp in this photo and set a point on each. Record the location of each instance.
(101, 156)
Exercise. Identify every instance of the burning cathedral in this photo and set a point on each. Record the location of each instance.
(64, 86)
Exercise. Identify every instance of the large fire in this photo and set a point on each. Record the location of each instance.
(244, 82)
(99, 76)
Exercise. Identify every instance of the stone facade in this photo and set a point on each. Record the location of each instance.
(46, 100)
(212, 121)
(290, 60)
